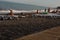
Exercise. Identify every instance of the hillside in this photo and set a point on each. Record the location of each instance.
(50, 34)
(8, 5)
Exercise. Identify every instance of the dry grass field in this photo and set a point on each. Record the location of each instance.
(13, 29)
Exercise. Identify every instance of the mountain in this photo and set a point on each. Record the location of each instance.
(8, 5)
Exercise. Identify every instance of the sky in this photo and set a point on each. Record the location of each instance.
(46, 3)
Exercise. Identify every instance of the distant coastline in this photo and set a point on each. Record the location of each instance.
(19, 6)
